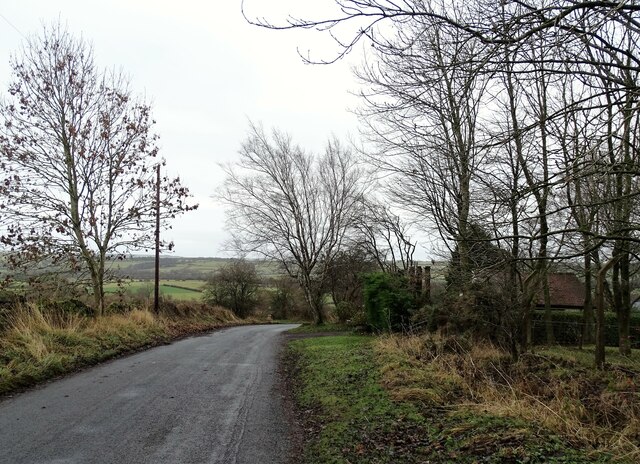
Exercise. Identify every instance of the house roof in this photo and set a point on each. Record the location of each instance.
(567, 291)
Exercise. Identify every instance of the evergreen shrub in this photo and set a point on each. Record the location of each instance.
(388, 301)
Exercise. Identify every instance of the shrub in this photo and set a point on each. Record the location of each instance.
(4, 317)
(119, 307)
(262, 301)
(427, 318)
(287, 300)
(348, 312)
(167, 306)
(52, 287)
(68, 307)
(281, 303)
(387, 300)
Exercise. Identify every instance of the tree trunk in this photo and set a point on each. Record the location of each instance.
(464, 243)
(624, 311)
(548, 320)
(316, 306)
(313, 297)
(97, 283)
(587, 312)
(510, 316)
(528, 304)
(615, 281)
(546, 294)
(600, 322)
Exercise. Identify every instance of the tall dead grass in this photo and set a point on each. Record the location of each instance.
(29, 328)
(586, 406)
(37, 344)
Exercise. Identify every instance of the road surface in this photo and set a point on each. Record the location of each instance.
(207, 399)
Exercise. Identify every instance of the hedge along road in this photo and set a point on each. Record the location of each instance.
(207, 399)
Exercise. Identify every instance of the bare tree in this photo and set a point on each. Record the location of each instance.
(234, 286)
(78, 154)
(384, 237)
(422, 100)
(579, 24)
(344, 275)
(292, 206)
(426, 105)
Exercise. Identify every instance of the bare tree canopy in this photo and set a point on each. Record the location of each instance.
(499, 23)
(78, 156)
(383, 237)
(292, 206)
(520, 117)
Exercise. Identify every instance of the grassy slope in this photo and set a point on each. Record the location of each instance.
(39, 346)
(354, 419)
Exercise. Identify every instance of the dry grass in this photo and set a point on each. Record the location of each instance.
(589, 408)
(29, 329)
(37, 344)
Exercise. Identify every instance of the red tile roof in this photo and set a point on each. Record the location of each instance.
(567, 291)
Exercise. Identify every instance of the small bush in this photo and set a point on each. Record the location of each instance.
(68, 307)
(286, 300)
(348, 312)
(8, 301)
(119, 307)
(388, 301)
(428, 318)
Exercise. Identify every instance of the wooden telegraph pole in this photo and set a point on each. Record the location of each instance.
(156, 288)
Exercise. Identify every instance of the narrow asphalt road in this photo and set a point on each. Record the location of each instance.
(207, 399)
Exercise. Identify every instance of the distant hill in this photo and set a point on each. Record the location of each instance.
(179, 268)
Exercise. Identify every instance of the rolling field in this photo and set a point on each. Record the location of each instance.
(189, 290)
(178, 268)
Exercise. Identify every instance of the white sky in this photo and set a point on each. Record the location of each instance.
(206, 73)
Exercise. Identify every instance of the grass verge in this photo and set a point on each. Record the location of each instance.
(379, 400)
(310, 328)
(37, 345)
(348, 415)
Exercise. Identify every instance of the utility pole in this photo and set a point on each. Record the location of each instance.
(156, 289)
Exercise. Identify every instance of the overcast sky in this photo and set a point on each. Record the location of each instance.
(206, 72)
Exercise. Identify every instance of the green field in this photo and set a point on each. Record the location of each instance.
(178, 268)
(189, 290)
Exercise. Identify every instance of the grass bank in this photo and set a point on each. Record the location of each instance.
(346, 412)
(419, 399)
(310, 328)
(37, 345)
